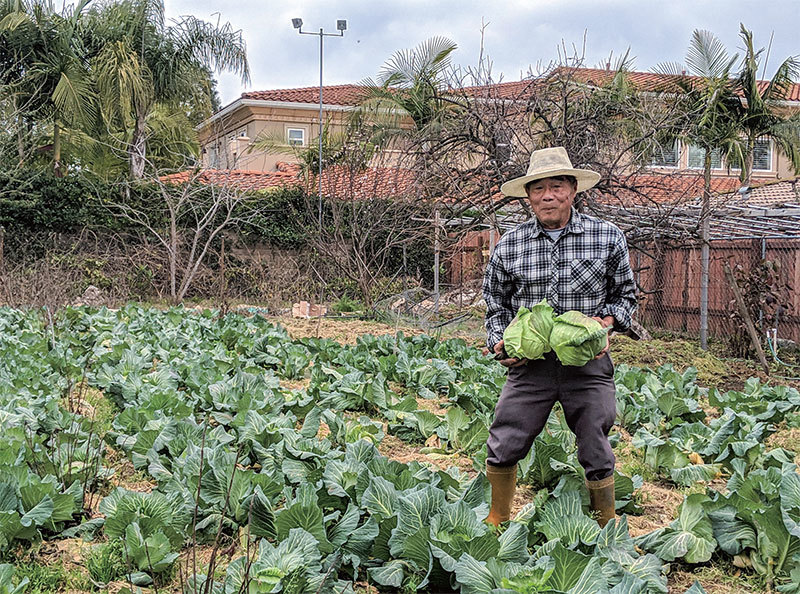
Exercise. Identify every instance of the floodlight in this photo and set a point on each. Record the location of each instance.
(297, 23)
(341, 25)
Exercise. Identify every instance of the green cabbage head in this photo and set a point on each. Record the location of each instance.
(577, 338)
(528, 335)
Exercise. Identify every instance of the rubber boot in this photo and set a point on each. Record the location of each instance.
(601, 499)
(504, 482)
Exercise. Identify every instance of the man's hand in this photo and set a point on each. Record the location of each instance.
(510, 361)
(605, 322)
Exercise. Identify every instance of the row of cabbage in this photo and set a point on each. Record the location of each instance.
(203, 412)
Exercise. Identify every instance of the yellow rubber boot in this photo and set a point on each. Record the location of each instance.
(504, 483)
(601, 499)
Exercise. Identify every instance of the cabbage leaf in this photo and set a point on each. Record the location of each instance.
(576, 338)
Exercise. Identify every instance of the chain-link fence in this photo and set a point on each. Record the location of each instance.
(766, 271)
(668, 274)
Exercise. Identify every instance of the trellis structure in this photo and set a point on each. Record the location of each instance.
(665, 254)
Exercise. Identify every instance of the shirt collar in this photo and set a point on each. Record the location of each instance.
(575, 224)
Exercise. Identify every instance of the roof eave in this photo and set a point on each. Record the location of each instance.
(246, 102)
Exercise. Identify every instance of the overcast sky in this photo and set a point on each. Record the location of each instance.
(519, 33)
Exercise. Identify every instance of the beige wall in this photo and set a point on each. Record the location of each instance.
(225, 143)
(781, 167)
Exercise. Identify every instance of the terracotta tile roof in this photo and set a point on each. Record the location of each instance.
(375, 182)
(331, 95)
(503, 90)
(651, 190)
(771, 194)
(236, 178)
(647, 81)
(353, 94)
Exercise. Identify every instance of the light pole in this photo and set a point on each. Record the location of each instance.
(341, 26)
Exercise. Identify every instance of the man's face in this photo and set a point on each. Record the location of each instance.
(551, 199)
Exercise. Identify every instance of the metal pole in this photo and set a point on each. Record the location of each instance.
(704, 265)
(341, 25)
(436, 263)
(320, 128)
(763, 262)
(705, 214)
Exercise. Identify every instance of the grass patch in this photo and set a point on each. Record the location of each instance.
(630, 460)
(711, 370)
(105, 562)
(46, 579)
(720, 576)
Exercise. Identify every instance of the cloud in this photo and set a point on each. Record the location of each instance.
(519, 34)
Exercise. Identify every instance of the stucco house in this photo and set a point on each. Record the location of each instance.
(292, 116)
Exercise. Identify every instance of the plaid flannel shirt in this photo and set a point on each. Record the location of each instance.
(586, 269)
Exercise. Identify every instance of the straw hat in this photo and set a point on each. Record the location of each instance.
(549, 162)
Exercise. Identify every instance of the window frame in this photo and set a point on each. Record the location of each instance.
(771, 154)
(700, 168)
(289, 138)
(677, 148)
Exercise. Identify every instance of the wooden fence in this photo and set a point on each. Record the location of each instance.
(670, 281)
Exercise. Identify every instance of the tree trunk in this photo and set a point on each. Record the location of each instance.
(747, 174)
(20, 135)
(704, 249)
(138, 146)
(57, 171)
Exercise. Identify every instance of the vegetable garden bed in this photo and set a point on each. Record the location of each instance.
(216, 454)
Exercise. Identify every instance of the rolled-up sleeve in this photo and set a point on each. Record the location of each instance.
(497, 290)
(620, 286)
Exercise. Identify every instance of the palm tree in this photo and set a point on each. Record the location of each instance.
(760, 118)
(713, 122)
(51, 59)
(140, 62)
(411, 87)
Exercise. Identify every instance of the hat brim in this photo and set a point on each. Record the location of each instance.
(516, 187)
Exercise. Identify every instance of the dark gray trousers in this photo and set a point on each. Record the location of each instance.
(587, 395)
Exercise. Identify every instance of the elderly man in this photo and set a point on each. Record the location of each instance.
(576, 262)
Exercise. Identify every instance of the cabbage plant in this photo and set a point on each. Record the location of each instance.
(528, 335)
(576, 338)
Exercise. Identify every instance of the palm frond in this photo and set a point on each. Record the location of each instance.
(427, 61)
(221, 47)
(707, 56)
(123, 82)
(14, 20)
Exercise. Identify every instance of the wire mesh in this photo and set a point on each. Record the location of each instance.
(766, 270)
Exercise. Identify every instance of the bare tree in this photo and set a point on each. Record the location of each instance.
(185, 213)
(369, 215)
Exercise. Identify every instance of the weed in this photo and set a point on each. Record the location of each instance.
(46, 579)
(721, 575)
(346, 305)
(105, 562)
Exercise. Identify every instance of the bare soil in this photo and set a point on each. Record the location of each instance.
(660, 505)
(125, 475)
(396, 449)
(345, 331)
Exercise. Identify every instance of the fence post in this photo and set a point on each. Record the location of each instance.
(704, 263)
(763, 260)
(436, 262)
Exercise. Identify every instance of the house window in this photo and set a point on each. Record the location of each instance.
(296, 136)
(762, 155)
(697, 157)
(666, 155)
(240, 133)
